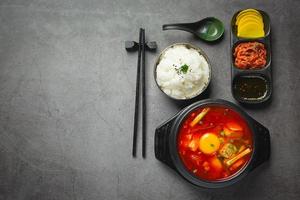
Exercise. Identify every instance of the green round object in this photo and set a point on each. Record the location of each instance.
(211, 29)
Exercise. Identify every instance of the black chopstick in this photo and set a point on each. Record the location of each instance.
(137, 98)
(143, 96)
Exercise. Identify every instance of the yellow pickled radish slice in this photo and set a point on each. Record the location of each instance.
(250, 30)
(250, 23)
(249, 13)
(250, 18)
(249, 10)
(254, 15)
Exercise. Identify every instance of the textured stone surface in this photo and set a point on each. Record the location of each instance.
(67, 93)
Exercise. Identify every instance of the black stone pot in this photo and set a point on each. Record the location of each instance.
(166, 145)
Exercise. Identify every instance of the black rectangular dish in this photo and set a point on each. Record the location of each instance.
(251, 86)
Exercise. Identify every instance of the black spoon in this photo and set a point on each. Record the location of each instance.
(208, 29)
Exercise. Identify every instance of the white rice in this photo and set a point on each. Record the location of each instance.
(178, 84)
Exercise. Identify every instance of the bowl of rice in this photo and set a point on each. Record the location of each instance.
(182, 71)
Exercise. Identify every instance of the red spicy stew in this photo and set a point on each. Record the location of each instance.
(214, 142)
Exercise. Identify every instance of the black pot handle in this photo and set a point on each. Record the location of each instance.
(263, 147)
(161, 144)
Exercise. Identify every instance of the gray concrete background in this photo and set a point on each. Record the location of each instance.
(67, 97)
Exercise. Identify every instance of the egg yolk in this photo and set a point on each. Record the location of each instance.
(209, 143)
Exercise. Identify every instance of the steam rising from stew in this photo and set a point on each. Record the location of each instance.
(214, 142)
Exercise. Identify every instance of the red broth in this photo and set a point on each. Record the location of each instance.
(217, 146)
